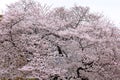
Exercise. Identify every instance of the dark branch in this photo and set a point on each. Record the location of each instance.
(78, 71)
(89, 64)
(61, 52)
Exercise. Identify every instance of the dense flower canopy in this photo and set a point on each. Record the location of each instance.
(36, 41)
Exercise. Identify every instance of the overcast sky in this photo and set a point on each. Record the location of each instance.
(110, 8)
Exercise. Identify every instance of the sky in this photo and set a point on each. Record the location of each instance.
(109, 8)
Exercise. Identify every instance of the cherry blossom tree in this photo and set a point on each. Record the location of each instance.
(53, 44)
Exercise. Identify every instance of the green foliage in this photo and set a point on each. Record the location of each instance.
(3, 78)
(19, 78)
(32, 79)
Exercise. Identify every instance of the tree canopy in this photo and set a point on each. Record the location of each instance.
(59, 43)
